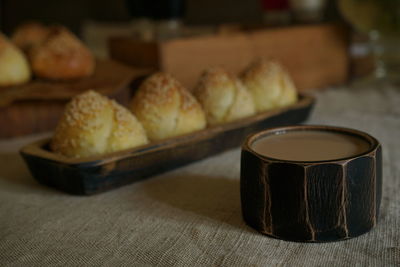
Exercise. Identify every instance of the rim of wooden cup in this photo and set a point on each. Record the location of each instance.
(373, 142)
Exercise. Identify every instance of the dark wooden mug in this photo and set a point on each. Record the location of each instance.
(311, 201)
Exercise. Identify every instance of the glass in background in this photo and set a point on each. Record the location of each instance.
(276, 12)
(380, 20)
(283, 12)
(308, 11)
(156, 19)
(142, 23)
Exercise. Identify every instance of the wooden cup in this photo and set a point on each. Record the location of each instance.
(311, 201)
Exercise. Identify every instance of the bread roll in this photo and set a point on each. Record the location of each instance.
(166, 108)
(223, 97)
(14, 67)
(93, 124)
(269, 84)
(61, 56)
(29, 35)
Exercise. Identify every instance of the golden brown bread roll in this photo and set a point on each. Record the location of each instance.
(29, 35)
(61, 56)
(269, 84)
(14, 67)
(223, 97)
(93, 124)
(166, 108)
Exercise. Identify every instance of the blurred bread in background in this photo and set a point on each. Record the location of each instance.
(14, 67)
(166, 108)
(92, 125)
(61, 56)
(28, 35)
(223, 97)
(269, 84)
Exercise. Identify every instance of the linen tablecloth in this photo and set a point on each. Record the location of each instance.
(191, 216)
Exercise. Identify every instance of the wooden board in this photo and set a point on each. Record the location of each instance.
(36, 106)
(96, 174)
(315, 55)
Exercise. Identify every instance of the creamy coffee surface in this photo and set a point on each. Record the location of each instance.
(310, 145)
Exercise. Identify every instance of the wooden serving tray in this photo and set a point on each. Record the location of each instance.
(97, 174)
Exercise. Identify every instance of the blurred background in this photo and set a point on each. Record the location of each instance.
(369, 22)
(96, 20)
(74, 13)
(322, 43)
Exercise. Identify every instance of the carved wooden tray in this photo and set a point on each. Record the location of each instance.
(97, 174)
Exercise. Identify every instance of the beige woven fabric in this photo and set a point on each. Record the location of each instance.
(191, 216)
